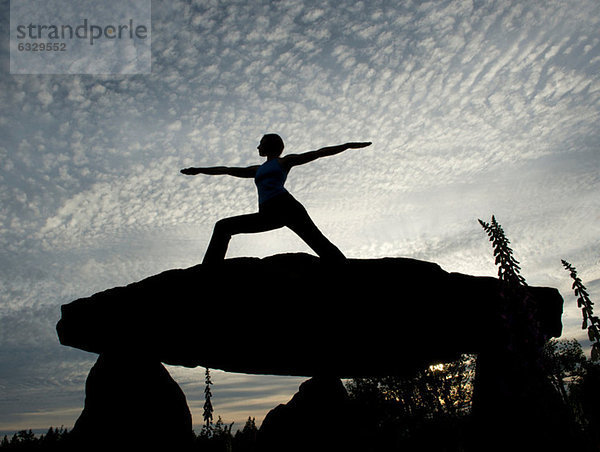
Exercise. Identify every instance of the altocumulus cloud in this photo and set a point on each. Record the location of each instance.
(473, 109)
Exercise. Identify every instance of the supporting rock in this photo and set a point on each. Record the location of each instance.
(133, 403)
(319, 417)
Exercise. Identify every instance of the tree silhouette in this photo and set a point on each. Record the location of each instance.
(55, 439)
(245, 439)
(431, 406)
(564, 362)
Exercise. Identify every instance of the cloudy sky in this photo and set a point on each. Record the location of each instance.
(474, 108)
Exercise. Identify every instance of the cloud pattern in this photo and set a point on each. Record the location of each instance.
(474, 109)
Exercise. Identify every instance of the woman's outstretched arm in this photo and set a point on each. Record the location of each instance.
(306, 157)
(249, 171)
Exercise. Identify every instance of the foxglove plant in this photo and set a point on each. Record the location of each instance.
(590, 321)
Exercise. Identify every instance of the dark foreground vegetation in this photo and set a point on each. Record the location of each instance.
(218, 438)
(428, 411)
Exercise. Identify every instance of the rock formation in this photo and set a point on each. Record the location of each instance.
(366, 317)
(292, 426)
(132, 403)
(294, 315)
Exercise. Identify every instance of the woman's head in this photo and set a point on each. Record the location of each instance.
(271, 145)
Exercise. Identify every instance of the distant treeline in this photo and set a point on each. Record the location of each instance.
(53, 439)
(216, 438)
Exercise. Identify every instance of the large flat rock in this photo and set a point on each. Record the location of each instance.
(291, 314)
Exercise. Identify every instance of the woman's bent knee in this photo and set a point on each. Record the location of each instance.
(226, 227)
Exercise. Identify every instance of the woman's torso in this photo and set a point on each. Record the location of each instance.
(270, 179)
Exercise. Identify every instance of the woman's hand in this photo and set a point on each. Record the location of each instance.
(358, 145)
(190, 171)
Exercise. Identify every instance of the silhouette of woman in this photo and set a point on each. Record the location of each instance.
(276, 206)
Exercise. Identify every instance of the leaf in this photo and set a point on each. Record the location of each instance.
(584, 325)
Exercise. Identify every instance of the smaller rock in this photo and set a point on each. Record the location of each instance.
(132, 402)
(319, 417)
